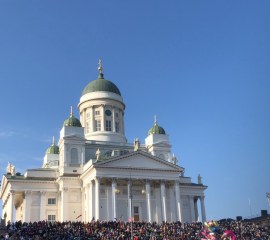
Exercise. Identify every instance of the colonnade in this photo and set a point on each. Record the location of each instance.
(92, 204)
(103, 119)
(92, 190)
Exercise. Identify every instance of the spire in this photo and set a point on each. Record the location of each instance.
(71, 115)
(53, 141)
(155, 120)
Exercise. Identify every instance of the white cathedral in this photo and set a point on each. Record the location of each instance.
(96, 174)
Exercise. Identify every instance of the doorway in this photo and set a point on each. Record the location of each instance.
(136, 214)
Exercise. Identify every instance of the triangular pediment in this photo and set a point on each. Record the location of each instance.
(139, 160)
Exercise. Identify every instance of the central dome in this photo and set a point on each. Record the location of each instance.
(101, 85)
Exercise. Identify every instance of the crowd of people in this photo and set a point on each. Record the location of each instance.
(119, 230)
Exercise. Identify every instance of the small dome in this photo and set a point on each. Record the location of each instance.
(101, 85)
(156, 129)
(72, 121)
(53, 149)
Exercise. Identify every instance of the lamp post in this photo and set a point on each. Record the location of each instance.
(130, 199)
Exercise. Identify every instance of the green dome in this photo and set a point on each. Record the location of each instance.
(72, 122)
(53, 150)
(101, 84)
(156, 130)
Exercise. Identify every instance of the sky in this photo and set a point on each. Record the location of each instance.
(201, 66)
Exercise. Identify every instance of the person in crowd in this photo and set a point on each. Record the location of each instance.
(119, 230)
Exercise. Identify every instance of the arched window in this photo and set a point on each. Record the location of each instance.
(162, 156)
(74, 155)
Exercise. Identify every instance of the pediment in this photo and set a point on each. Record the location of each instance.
(139, 160)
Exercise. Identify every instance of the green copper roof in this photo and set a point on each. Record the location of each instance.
(72, 122)
(53, 150)
(101, 84)
(156, 130)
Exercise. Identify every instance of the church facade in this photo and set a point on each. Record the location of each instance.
(94, 173)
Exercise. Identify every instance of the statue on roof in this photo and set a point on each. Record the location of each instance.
(137, 144)
(98, 154)
(199, 179)
(8, 167)
(13, 170)
(174, 159)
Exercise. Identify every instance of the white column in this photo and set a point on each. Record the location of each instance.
(12, 195)
(27, 206)
(203, 209)
(103, 124)
(113, 116)
(158, 203)
(92, 118)
(84, 120)
(97, 186)
(178, 201)
(192, 211)
(64, 209)
(173, 211)
(148, 200)
(42, 213)
(163, 200)
(120, 121)
(87, 201)
(109, 200)
(129, 215)
(59, 206)
(91, 200)
(196, 208)
(114, 198)
(123, 123)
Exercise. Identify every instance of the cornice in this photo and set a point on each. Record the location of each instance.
(138, 168)
(177, 168)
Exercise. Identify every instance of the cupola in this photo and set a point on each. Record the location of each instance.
(72, 121)
(156, 129)
(53, 149)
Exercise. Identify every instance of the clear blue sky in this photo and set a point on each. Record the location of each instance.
(201, 66)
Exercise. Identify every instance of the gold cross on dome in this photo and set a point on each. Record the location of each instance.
(100, 67)
(71, 111)
(155, 120)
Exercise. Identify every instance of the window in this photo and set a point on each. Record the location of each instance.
(108, 125)
(51, 218)
(51, 200)
(98, 125)
(74, 155)
(116, 114)
(136, 210)
(53, 163)
(97, 113)
(124, 152)
(117, 126)
(88, 127)
(162, 156)
(88, 115)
